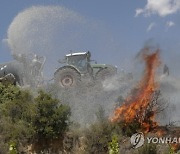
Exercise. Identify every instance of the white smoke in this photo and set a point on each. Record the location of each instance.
(85, 101)
(170, 89)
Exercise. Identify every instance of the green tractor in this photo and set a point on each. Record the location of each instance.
(78, 67)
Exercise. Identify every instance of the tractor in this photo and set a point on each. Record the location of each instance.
(10, 73)
(79, 66)
(24, 70)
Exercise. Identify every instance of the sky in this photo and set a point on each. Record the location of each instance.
(125, 27)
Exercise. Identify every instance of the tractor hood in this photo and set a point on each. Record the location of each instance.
(102, 66)
(11, 67)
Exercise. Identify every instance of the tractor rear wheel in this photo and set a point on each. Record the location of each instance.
(105, 73)
(67, 77)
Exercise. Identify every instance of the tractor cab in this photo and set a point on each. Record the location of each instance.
(78, 68)
(80, 60)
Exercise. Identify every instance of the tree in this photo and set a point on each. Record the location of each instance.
(52, 118)
(17, 112)
(25, 119)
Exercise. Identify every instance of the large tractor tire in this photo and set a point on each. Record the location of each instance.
(105, 73)
(67, 77)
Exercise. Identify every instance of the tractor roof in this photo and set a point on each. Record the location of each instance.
(76, 54)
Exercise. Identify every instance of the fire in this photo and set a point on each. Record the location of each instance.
(136, 105)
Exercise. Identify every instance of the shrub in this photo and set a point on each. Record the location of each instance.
(99, 135)
(25, 119)
(16, 115)
(128, 129)
(52, 118)
(114, 145)
(148, 149)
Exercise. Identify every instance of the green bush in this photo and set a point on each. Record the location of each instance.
(114, 145)
(17, 112)
(52, 118)
(128, 129)
(25, 119)
(8, 93)
(99, 135)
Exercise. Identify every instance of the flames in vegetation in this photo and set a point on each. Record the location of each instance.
(141, 106)
(136, 105)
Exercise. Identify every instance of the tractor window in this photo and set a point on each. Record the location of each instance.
(79, 61)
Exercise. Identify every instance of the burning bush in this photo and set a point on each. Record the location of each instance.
(139, 106)
(156, 106)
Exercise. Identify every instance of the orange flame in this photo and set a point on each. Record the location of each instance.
(135, 105)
